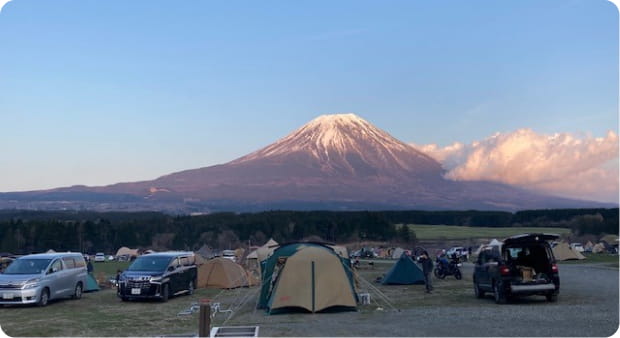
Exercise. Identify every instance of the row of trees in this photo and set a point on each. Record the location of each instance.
(31, 231)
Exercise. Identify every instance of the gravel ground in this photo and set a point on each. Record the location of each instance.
(587, 306)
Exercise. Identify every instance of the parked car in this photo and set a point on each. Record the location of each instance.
(577, 247)
(159, 275)
(523, 265)
(99, 257)
(460, 252)
(38, 278)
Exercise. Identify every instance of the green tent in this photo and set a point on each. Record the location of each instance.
(306, 276)
(91, 283)
(404, 271)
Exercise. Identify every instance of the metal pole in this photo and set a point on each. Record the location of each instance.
(204, 319)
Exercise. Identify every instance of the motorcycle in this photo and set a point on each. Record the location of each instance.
(444, 268)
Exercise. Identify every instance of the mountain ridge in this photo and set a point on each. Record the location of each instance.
(338, 161)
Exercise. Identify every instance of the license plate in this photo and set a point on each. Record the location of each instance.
(7, 296)
(135, 291)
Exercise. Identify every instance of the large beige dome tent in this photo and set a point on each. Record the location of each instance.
(562, 252)
(125, 251)
(308, 276)
(255, 257)
(224, 274)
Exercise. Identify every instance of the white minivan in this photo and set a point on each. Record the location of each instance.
(38, 278)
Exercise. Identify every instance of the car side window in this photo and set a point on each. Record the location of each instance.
(69, 262)
(56, 266)
(174, 263)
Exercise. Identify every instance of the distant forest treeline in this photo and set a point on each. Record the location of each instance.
(35, 231)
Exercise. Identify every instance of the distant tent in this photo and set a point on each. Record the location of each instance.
(307, 276)
(599, 248)
(91, 283)
(50, 251)
(588, 247)
(222, 273)
(563, 252)
(610, 239)
(125, 251)
(267, 249)
(397, 253)
(477, 251)
(404, 271)
(495, 242)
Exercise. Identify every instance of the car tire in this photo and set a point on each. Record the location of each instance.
(124, 299)
(457, 275)
(77, 293)
(498, 294)
(552, 297)
(190, 288)
(44, 297)
(165, 292)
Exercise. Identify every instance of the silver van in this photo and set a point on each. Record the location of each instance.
(40, 277)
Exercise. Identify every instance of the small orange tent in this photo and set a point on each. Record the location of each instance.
(224, 274)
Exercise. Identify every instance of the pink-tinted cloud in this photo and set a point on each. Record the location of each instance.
(562, 164)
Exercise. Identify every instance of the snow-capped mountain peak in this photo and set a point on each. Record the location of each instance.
(346, 141)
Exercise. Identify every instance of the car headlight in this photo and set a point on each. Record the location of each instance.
(31, 283)
(156, 279)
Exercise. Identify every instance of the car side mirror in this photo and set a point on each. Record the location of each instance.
(171, 268)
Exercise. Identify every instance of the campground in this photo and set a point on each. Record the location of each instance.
(587, 306)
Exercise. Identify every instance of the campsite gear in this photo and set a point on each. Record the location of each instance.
(562, 252)
(91, 283)
(404, 271)
(452, 268)
(309, 276)
(224, 274)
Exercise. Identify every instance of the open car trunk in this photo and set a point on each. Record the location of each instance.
(530, 264)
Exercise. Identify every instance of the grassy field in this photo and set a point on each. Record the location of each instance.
(450, 232)
(608, 260)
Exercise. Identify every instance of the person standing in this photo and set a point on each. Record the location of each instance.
(427, 269)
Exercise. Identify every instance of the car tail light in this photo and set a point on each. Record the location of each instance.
(554, 268)
(504, 270)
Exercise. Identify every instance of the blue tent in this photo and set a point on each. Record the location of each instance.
(91, 283)
(405, 271)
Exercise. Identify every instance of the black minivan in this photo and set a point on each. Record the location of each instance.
(159, 275)
(523, 265)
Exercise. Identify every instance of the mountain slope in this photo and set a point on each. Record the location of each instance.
(332, 162)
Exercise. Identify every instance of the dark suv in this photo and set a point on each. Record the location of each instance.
(158, 275)
(523, 265)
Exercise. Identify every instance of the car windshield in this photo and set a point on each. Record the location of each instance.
(146, 263)
(27, 266)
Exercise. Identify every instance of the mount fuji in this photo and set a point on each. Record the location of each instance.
(334, 162)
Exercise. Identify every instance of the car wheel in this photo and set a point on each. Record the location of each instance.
(552, 297)
(457, 275)
(77, 294)
(165, 292)
(190, 288)
(500, 297)
(44, 298)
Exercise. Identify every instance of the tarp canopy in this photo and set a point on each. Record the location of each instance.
(309, 276)
(562, 252)
(127, 251)
(404, 271)
(223, 273)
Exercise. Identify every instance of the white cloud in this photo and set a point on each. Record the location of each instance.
(562, 164)
(2, 3)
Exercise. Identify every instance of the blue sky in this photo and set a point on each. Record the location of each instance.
(97, 92)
